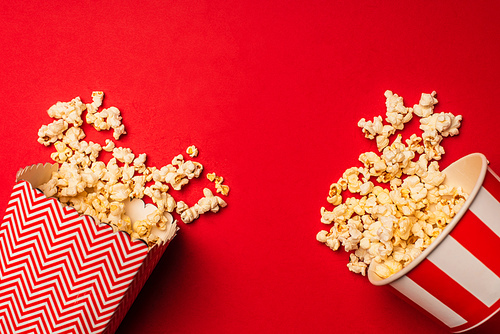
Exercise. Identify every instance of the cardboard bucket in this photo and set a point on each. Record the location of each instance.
(457, 278)
(60, 272)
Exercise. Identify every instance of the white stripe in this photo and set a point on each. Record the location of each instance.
(464, 268)
(487, 208)
(428, 302)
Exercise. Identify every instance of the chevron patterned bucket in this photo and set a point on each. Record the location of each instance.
(60, 272)
(457, 278)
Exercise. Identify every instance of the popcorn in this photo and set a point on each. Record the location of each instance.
(334, 196)
(141, 229)
(50, 187)
(97, 98)
(118, 131)
(114, 118)
(180, 176)
(176, 180)
(219, 187)
(124, 155)
(366, 188)
(322, 236)
(49, 134)
(355, 266)
(397, 113)
(425, 106)
(181, 207)
(89, 177)
(353, 181)
(91, 149)
(69, 111)
(62, 153)
(100, 190)
(371, 128)
(207, 203)
(210, 202)
(373, 162)
(388, 268)
(73, 136)
(192, 151)
(119, 192)
(391, 227)
(110, 146)
(127, 173)
(139, 163)
(446, 124)
(190, 214)
(190, 169)
(106, 119)
(138, 186)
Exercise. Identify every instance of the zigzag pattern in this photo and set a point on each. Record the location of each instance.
(59, 271)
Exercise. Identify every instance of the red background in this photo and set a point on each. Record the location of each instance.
(270, 92)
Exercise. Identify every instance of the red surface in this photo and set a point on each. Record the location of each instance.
(270, 92)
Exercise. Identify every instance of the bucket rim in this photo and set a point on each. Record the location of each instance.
(376, 280)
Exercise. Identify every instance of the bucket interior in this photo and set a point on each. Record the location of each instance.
(468, 173)
(465, 172)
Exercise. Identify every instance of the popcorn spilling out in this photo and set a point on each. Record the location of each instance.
(390, 226)
(100, 189)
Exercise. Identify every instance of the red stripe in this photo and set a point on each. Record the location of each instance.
(478, 239)
(433, 280)
(492, 184)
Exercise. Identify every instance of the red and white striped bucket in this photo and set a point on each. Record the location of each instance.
(457, 278)
(60, 272)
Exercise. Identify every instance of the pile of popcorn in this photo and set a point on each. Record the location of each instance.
(100, 189)
(391, 225)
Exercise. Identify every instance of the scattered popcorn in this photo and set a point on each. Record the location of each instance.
(334, 196)
(100, 190)
(124, 155)
(371, 128)
(181, 207)
(425, 106)
(118, 131)
(97, 98)
(106, 119)
(219, 187)
(445, 123)
(62, 153)
(192, 151)
(49, 134)
(110, 146)
(114, 118)
(391, 226)
(355, 266)
(73, 136)
(397, 113)
(207, 203)
(211, 177)
(69, 111)
(140, 163)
